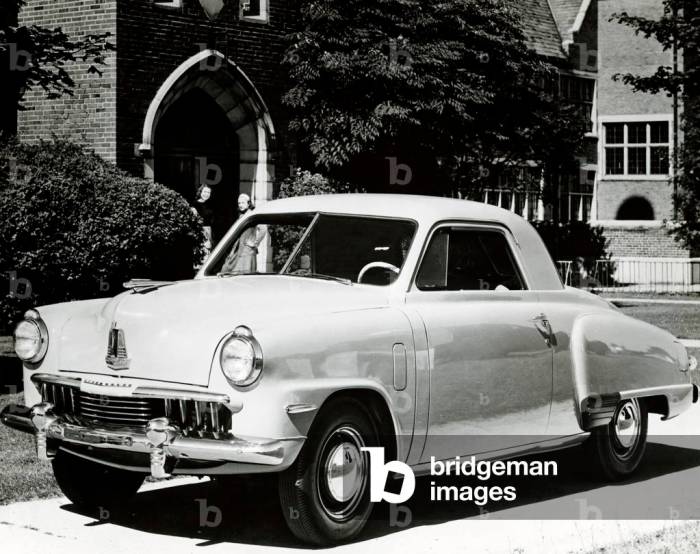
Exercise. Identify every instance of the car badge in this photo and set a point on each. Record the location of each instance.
(116, 349)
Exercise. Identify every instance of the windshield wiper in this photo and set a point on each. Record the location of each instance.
(342, 280)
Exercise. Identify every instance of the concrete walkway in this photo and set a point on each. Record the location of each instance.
(636, 300)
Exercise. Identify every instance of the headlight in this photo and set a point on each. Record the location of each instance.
(241, 358)
(31, 338)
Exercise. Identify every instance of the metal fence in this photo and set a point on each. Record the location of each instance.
(639, 275)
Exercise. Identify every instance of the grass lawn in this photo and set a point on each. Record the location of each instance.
(681, 320)
(22, 475)
(6, 347)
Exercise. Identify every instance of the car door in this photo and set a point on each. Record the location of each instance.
(488, 343)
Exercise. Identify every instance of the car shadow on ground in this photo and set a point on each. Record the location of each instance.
(219, 513)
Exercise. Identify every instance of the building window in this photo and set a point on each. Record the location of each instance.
(639, 148)
(579, 91)
(255, 10)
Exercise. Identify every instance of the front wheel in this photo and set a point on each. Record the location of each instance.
(91, 485)
(324, 495)
(617, 448)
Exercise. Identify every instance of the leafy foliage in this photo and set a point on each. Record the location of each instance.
(679, 28)
(448, 87)
(37, 56)
(301, 183)
(76, 227)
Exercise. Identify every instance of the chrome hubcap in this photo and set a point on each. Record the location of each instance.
(341, 479)
(344, 471)
(627, 427)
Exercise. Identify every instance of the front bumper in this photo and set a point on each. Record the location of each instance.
(161, 441)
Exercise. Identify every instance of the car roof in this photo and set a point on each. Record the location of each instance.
(427, 211)
(417, 207)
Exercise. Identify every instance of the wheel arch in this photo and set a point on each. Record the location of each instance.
(377, 407)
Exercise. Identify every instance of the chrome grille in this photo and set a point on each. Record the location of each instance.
(199, 419)
(194, 418)
(119, 410)
(77, 406)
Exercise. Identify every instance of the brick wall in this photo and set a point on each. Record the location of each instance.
(154, 41)
(611, 195)
(643, 241)
(108, 112)
(622, 52)
(88, 117)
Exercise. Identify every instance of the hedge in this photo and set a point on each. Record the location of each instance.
(76, 227)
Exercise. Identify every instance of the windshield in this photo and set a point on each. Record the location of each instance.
(345, 248)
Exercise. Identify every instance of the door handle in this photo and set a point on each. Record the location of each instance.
(544, 327)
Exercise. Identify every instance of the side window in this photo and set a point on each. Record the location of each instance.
(468, 259)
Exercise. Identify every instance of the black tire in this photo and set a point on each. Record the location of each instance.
(91, 485)
(617, 449)
(309, 500)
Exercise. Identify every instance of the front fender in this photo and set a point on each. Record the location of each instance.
(615, 357)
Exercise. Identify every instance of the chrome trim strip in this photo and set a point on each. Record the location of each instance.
(300, 408)
(684, 389)
(50, 379)
(147, 392)
(178, 394)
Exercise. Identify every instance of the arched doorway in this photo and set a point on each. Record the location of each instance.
(198, 146)
(636, 208)
(208, 116)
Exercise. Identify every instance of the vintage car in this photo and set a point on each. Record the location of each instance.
(323, 325)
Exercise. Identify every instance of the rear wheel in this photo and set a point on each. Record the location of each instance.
(324, 495)
(91, 485)
(617, 449)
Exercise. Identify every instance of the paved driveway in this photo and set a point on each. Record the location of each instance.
(189, 515)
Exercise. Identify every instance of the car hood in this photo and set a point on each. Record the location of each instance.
(171, 333)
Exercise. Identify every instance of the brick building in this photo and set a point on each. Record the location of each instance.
(634, 192)
(624, 184)
(187, 98)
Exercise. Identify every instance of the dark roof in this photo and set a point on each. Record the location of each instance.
(541, 28)
(565, 12)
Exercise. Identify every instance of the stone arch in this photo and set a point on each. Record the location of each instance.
(225, 82)
(636, 208)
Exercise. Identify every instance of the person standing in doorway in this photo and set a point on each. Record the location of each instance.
(202, 207)
(244, 254)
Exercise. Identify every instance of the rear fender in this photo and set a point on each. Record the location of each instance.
(617, 357)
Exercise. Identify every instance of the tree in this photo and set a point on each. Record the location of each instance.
(34, 57)
(433, 93)
(678, 30)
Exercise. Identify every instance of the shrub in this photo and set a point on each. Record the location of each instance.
(76, 227)
(568, 241)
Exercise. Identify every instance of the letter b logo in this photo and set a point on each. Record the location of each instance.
(379, 472)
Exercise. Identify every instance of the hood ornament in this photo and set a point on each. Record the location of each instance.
(117, 358)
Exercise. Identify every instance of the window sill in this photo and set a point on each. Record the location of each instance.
(635, 178)
(172, 6)
(258, 19)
